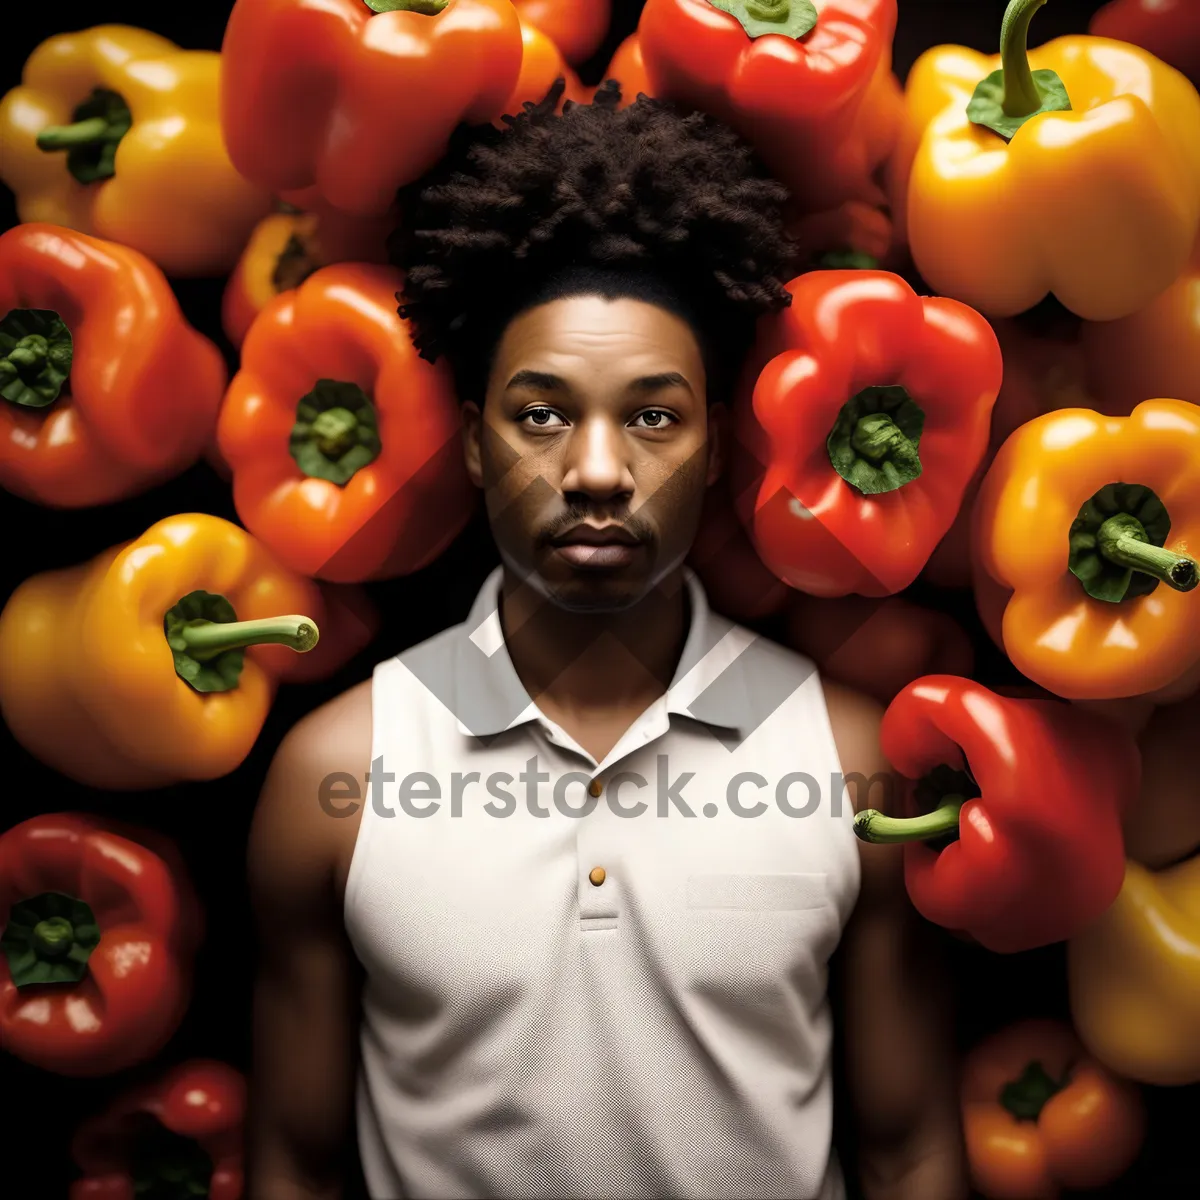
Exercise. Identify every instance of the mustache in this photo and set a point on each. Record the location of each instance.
(637, 527)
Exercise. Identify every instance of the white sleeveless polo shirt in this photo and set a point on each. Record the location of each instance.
(617, 995)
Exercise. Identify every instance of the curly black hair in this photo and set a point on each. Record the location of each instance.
(649, 201)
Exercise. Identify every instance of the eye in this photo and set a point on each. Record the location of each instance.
(656, 418)
(540, 417)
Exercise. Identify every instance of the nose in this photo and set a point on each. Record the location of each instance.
(597, 463)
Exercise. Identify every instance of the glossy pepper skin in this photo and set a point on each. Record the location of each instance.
(576, 27)
(141, 390)
(101, 926)
(1040, 487)
(1098, 205)
(1042, 1116)
(1133, 977)
(1168, 29)
(1032, 793)
(169, 190)
(1163, 826)
(89, 682)
(628, 68)
(541, 65)
(285, 248)
(1153, 352)
(381, 491)
(187, 1124)
(815, 106)
(327, 99)
(878, 647)
(815, 410)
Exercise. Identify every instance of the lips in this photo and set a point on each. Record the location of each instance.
(597, 535)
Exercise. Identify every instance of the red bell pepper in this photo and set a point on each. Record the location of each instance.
(875, 646)
(1012, 811)
(862, 413)
(326, 99)
(101, 925)
(734, 578)
(805, 87)
(183, 1131)
(576, 27)
(1168, 29)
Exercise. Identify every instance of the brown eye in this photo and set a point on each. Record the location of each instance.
(541, 416)
(656, 418)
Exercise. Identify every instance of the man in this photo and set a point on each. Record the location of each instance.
(548, 905)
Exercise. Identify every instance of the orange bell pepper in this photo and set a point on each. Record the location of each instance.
(541, 65)
(156, 662)
(1084, 541)
(344, 444)
(629, 69)
(878, 647)
(1041, 1116)
(329, 99)
(1153, 352)
(286, 248)
(576, 27)
(106, 388)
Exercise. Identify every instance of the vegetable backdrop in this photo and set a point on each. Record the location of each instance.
(998, 435)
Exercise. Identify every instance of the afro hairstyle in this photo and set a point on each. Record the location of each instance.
(647, 201)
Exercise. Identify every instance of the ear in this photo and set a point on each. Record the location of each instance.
(472, 432)
(718, 437)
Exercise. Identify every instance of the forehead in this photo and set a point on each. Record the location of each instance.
(594, 334)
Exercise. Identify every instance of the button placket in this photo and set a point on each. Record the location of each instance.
(596, 866)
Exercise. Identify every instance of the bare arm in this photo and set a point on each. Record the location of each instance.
(896, 1003)
(306, 993)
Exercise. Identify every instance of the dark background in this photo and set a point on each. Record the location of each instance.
(210, 821)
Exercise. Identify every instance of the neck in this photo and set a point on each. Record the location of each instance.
(592, 663)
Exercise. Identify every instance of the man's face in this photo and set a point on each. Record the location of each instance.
(595, 416)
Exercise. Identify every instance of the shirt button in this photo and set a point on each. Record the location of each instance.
(596, 875)
(595, 787)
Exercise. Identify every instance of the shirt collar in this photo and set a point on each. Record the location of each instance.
(709, 684)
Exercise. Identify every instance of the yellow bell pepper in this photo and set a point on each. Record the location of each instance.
(1080, 177)
(1134, 978)
(115, 132)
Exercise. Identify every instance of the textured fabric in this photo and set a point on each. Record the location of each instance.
(527, 1033)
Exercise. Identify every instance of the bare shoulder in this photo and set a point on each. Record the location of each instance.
(855, 719)
(302, 836)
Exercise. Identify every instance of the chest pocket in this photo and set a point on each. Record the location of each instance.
(757, 940)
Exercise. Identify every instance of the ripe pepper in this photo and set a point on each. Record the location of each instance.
(328, 99)
(735, 580)
(807, 88)
(106, 388)
(156, 662)
(878, 647)
(1013, 808)
(100, 928)
(1079, 178)
(285, 248)
(1163, 826)
(1133, 977)
(1153, 352)
(576, 27)
(1041, 1115)
(1168, 29)
(114, 131)
(181, 1134)
(541, 65)
(628, 68)
(344, 444)
(862, 414)
(1084, 542)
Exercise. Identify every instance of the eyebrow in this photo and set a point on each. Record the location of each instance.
(543, 381)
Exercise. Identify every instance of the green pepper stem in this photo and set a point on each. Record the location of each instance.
(81, 133)
(1122, 548)
(1021, 95)
(210, 638)
(873, 826)
(53, 937)
(429, 8)
(876, 436)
